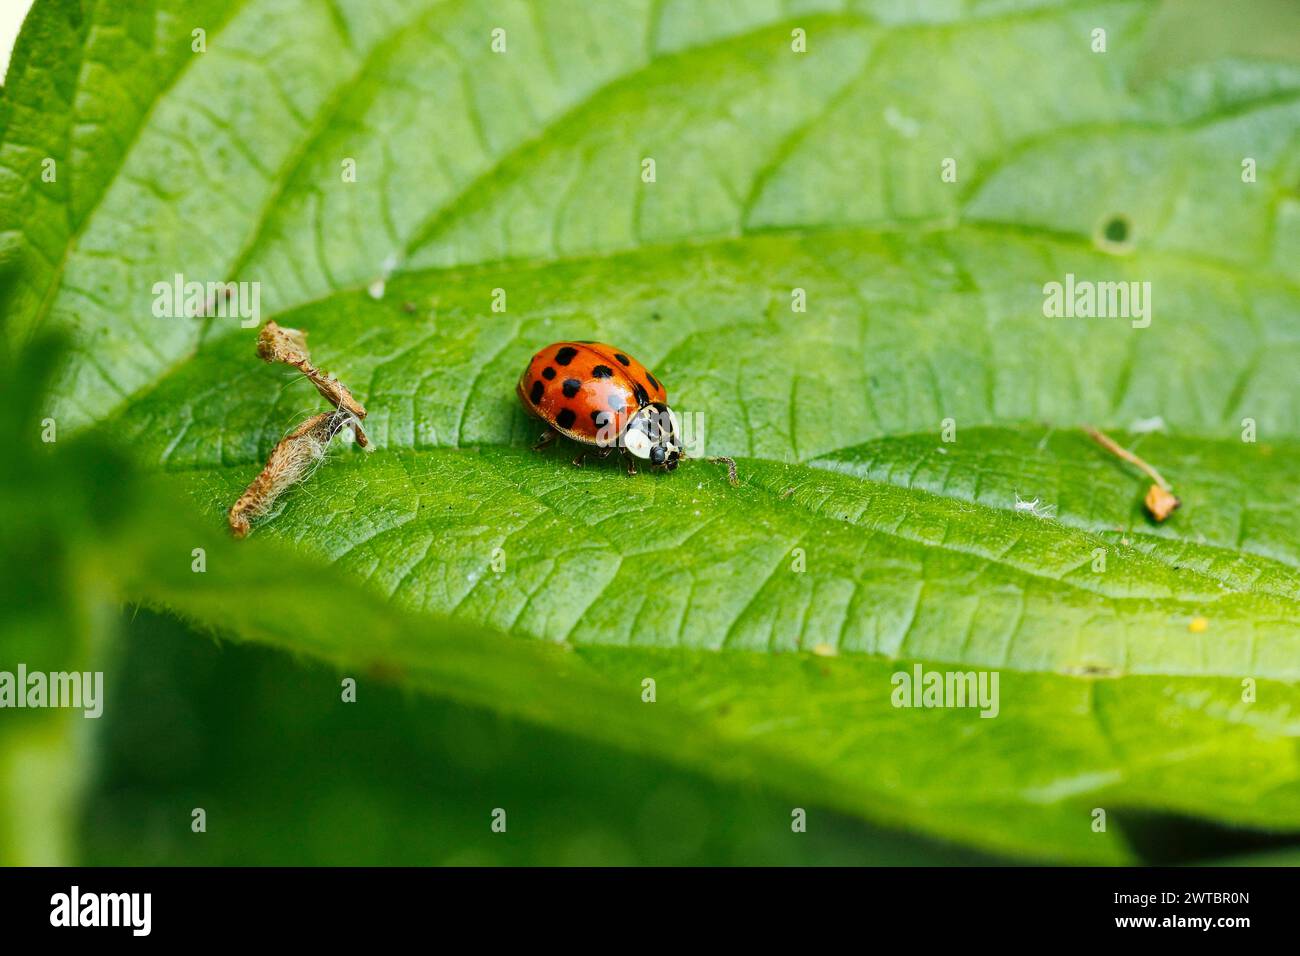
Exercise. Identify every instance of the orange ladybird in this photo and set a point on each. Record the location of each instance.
(602, 398)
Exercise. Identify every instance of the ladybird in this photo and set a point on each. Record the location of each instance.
(602, 398)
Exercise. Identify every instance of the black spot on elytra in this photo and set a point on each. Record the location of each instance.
(536, 393)
(566, 418)
(571, 386)
(565, 355)
(623, 359)
(642, 396)
(602, 371)
(548, 373)
(652, 382)
(600, 418)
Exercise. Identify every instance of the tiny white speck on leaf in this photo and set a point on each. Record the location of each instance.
(1145, 426)
(904, 125)
(376, 288)
(1035, 507)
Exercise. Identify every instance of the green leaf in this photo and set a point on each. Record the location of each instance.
(1122, 646)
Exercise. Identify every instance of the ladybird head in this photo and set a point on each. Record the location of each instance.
(655, 435)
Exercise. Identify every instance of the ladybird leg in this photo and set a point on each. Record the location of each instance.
(604, 453)
(546, 439)
(582, 456)
(631, 465)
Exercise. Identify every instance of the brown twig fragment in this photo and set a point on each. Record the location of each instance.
(731, 468)
(289, 463)
(1160, 499)
(298, 452)
(278, 344)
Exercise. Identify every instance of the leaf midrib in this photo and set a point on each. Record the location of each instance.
(1214, 588)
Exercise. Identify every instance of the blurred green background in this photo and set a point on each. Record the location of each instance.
(288, 774)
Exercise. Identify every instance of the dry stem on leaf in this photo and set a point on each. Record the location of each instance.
(293, 459)
(1160, 499)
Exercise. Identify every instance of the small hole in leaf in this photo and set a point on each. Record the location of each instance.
(1116, 233)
